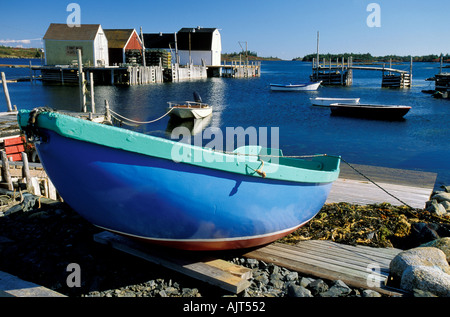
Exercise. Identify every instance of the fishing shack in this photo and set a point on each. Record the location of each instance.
(124, 46)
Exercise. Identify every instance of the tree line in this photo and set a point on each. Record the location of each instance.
(368, 58)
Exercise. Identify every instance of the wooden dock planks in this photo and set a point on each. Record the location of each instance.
(357, 266)
(217, 272)
(411, 187)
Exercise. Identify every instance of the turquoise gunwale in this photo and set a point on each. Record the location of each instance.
(245, 160)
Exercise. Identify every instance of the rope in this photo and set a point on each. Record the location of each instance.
(376, 184)
(136, 122)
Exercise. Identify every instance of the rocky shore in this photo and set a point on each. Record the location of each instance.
(40, 238)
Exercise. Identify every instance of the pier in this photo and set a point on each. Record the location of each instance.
(340, 73)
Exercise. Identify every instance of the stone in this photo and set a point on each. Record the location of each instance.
(426, 278)
(298, 291)
(305, 281)
(338, 289)
(446, 188)
(442, 244)
(370, 293)
(421, 293)
(446, 205)
(421, 256)
(292, 276)
(441, 196)
(424, 232)
(436, 208)
(318, 286)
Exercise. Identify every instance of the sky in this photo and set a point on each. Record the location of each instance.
(283, 28)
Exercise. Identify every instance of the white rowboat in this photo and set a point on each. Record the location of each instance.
(326, 102)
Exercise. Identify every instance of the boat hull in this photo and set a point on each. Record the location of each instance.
(171, 202)
(190, 113)
(377, 112)
(300, 87)
(326, 102)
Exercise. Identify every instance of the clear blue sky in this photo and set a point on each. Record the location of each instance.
(282, 28)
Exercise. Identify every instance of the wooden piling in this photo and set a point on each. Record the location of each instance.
(91, 82)
(81, 82)
(26, 172)
(5, 90)
(5, 171)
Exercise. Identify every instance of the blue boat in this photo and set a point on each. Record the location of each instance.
(139, 186)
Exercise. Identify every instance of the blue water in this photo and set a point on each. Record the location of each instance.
(420, 142)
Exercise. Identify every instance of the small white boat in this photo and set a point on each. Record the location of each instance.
(326, 102)
(311, 86)
(190, 109)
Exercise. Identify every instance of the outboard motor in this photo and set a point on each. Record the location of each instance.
(197, 97)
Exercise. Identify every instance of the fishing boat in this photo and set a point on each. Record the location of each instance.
(190, 109)
(326, 102)
(176, 194)
(310, 86)
(370, 111)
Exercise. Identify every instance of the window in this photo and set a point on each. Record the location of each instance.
(72, 50)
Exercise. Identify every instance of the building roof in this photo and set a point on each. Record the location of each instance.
(159, 40)
(195, 39)
(118, 38)
(86, 32)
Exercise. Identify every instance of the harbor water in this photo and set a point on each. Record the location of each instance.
(419, 142)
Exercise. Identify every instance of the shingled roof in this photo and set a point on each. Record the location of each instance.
(60, 31)
(118, 38)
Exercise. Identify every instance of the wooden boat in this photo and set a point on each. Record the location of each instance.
(326, 102)
(190, 109)
(176, 194)
(383, 112)
(311, 86)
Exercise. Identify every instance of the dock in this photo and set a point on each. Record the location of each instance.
(360, 266)
(208, 269)
(398, 186)
(340, 73)
(357, 266)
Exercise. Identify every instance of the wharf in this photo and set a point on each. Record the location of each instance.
(411, 187)
(360, 266)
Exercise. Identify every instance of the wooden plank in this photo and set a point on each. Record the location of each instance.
(216, 272)
(363, 193)
(356, 266)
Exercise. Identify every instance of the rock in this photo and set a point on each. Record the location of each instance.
(292, 276)
(318, 286)
(338, 289)
(421, 293)
(446, 188)
(426, 278)
(436, 208)
(442, 244)
(441, 196)
(370, 293)
(422, 256)
(298, 291)
(446, 205)
(424, 232)
(305, 281)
